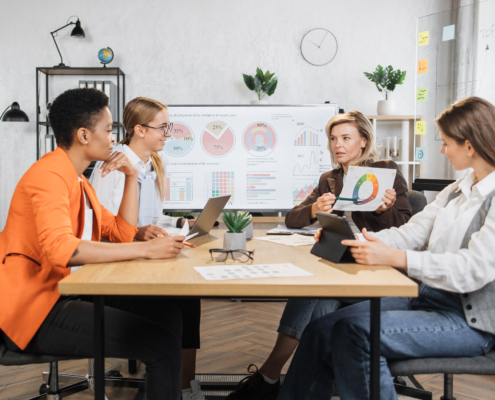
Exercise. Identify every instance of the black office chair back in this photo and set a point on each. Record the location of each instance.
(417, 200)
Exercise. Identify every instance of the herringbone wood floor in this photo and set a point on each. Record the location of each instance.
(234, 335)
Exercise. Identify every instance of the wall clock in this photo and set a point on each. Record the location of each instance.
(319, 46)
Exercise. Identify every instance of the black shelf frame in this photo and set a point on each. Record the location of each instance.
(53, 71)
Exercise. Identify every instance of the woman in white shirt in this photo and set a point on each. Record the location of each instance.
(147, 124)
(449, 247)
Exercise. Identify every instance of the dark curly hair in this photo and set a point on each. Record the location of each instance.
(74, 109)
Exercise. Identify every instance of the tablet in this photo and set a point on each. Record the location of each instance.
(209, 215)
(336, 224)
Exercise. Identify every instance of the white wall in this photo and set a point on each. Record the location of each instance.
(194, 52)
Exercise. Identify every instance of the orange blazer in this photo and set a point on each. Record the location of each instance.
(44, 227)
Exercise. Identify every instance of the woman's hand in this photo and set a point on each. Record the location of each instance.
(118, 161)
(190, 221)
(375, 252)
(318, 235)
(389, 201)
(323, 204)
(149, 232)
(164, 247)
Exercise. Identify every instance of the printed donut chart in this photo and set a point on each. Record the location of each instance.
(259, 139)
(366, 189)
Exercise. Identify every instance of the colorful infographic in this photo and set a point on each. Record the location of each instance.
(179, 186)
(261, 187)
(181, 141)
(259, 139)
(366, 189)
(219, 184)
(301, 191)
(218, 139)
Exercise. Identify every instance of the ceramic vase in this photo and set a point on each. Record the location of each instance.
(234, 241)
(386, 107)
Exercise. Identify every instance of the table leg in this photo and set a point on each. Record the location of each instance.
(375, 348)
(99, 348)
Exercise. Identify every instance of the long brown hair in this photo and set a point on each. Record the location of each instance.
(366, 131)
(141, 111)
(471, 119)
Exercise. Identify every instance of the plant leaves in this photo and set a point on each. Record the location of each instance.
(257, 84)
(260, 75)
(386, 79)
(271, 86)
(249, 81)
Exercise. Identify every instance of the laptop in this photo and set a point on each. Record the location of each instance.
(208, 216)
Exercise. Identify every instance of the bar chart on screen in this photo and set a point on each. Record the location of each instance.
(308, 136)
(261, 187)
(179, 186)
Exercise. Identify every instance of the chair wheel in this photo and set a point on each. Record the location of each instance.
(43, 389)
(114, 374)
(140, 395)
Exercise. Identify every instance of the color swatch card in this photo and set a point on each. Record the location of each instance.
(289, 240)
(226, 272)
(365, 188)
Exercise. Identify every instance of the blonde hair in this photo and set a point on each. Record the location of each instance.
(363, 125)
(140, 111)
(471, 119)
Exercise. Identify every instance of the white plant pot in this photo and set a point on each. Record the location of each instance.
(386, 107)
(249, 231)
(234, 241)
(254, 102)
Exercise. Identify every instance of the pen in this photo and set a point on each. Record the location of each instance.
(345, 199)
(188, 244)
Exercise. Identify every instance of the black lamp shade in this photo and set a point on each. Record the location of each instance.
(15, 114)
(78, 32)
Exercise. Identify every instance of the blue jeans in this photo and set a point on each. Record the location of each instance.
(336, 347)
(298, 313)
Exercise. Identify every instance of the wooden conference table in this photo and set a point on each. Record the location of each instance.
(178, 278)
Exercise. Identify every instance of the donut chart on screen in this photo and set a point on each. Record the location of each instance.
(366, 189)
(181, 140)
(259, 139)
(218, 139)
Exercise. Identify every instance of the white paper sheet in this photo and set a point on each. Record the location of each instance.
(367, 186)
(237, 271)
(290, 240)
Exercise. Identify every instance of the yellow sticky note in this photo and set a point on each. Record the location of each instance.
(420, 127)
(422, 66)
(421, 94)
(424, 38)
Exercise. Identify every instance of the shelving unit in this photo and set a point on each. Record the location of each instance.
(52, 71)
(414, 167)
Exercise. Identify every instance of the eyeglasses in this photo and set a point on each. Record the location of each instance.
(237, 255)
(166, 129)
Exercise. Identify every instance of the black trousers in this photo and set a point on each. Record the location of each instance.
(145, 329)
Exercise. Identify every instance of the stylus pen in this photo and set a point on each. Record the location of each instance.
(345, 199)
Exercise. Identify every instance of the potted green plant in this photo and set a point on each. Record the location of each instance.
(386, 79)
(236, 222)
(261, 83)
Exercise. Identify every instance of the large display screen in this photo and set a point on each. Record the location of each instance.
(268, 158)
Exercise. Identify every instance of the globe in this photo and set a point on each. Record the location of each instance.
(105, 55)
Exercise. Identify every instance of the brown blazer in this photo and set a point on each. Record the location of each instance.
(333, 182)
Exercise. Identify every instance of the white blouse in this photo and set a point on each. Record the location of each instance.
(439, 230)
(110, 189)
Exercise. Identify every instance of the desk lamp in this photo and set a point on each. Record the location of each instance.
(15, 114)
(77, 33)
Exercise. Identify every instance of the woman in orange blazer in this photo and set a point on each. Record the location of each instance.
(55, 224)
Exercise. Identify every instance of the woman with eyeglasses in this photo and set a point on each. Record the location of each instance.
(147, 124)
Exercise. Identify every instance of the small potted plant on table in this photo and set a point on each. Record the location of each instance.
(386, 79)
(236, 221)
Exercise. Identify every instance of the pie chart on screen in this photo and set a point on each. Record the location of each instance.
(259, 139)
(218, 139)
(180, 142)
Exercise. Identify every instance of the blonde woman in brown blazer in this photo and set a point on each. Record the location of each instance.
(351, 142)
